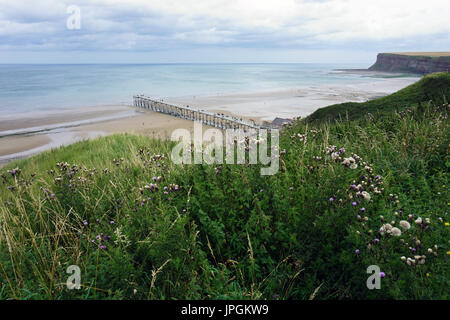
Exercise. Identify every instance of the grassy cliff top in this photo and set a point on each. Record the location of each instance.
(434, 87)
(422, 54)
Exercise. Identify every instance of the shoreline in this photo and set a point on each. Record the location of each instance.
(26, 134)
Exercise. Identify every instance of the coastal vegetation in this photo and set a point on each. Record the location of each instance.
(359, 185)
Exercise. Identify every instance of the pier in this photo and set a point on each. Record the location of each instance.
(217, 120)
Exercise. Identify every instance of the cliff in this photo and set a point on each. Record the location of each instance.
(397, 62)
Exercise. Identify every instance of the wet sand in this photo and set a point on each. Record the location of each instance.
(15, 144)
(290, 103)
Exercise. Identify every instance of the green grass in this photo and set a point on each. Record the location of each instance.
(434, 87)
(230, 233)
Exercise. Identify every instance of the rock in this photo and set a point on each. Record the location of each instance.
(392, 62)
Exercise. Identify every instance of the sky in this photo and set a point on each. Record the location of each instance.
(218, 31)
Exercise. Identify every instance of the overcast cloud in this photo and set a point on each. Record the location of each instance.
(220, 30)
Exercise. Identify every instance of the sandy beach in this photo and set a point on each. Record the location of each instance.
(22, 135)
(45, 133)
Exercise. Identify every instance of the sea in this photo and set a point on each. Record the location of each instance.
(28, 88)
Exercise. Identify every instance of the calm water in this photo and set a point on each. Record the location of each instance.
(25, 88)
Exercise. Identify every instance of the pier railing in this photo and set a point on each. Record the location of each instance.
(217, 120)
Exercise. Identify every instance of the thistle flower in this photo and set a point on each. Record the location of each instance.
(334, 155)
(365, 195)
(382, 274)
(404, 224)
(385, 228)
(348, 161)
(357, 251)
(396, 232)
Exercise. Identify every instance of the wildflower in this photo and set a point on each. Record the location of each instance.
(428, 274)
(85, 223)
(111, 222)
(396, 232)
(331, 199)
(377, 240)
(354, 203)
(348, 161)
(447, 224)
(365, 195)
(382, 274)
(418, 221)
(385, 228)
(430, 250)
(405, 225)
(353, 166)
(357, 251)
(334, 155)
(403, 258)
(363, 209)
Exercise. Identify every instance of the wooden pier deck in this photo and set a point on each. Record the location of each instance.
(217, 120)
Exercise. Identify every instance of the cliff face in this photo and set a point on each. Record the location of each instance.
(406, 63)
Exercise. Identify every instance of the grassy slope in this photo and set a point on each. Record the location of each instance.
(232, 233)
(431, 87)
